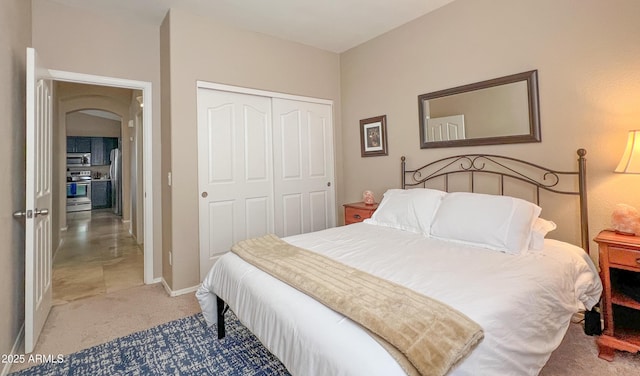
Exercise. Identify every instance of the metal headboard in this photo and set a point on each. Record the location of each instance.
(541, 178)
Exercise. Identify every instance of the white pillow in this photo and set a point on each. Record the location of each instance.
(408, 209)
(496, 222)
(539, 230)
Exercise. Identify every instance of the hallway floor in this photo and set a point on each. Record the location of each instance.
(98, 256)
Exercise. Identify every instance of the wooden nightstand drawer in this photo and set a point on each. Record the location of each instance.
(358, 212)
(352, 215)
(624, 256)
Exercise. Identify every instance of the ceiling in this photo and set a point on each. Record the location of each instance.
(332, 25)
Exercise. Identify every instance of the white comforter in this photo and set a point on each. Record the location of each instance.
(523, 302)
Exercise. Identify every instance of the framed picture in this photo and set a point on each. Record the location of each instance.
(373, 136)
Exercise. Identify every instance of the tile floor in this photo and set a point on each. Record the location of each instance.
(98, 256)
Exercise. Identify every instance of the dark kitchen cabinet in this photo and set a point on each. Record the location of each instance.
(77, 144)
(101, 148)
(97, 151)
(100, 194)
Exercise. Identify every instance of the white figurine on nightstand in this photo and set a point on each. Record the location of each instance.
(368, 198)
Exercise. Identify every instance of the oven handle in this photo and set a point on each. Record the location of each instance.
(87, 183)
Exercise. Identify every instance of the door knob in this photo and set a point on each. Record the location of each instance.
(23, 214)
(38, 212)
(204, 194)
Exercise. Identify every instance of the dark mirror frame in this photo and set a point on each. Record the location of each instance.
(534, 135)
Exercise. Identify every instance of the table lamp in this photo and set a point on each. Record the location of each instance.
(626, 219)
(630, 162)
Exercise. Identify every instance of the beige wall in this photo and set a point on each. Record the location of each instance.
(111, 45)
(15, 37)
(167, 212)
(209, 51)
(137, 171)
(81, 124)
(587, 58)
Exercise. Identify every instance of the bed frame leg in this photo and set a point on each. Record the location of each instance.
(222, 307)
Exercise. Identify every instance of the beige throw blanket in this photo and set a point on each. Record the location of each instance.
(430, 334)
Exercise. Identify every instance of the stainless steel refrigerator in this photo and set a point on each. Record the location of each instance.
(115, 170)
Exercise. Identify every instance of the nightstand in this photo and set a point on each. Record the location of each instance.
(358, 212)
(620, 274)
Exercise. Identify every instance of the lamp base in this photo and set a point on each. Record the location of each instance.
(624, 233)
(625, 220)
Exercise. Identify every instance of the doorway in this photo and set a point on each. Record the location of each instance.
(144, 192)
(100, 252)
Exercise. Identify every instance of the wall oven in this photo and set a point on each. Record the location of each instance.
(78, 191)
(78, 159)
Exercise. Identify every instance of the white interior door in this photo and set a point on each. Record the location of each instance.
(235, 172)
(446, 128)
(38, 201)
(304, 193)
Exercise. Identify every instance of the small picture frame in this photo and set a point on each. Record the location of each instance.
(373, 136)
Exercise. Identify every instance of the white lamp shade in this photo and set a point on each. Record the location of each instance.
(630, 162)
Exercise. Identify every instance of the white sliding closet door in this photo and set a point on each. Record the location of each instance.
(265, 165)
(235, 172)
(303, 167)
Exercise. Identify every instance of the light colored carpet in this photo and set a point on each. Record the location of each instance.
(578, 355)
(87, 322)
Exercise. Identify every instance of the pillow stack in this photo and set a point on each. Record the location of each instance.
(501, 223)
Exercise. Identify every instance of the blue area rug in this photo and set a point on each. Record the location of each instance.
(181, 347)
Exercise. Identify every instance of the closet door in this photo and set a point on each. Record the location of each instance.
(304, 195)
(235, 172)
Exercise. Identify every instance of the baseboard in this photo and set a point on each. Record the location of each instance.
(175, 293)
(14, 351)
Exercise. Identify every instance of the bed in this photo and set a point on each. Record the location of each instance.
(502, 273)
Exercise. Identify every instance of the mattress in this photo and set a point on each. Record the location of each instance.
(524, 302)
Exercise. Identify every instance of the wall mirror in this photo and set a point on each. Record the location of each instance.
(499, 111)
